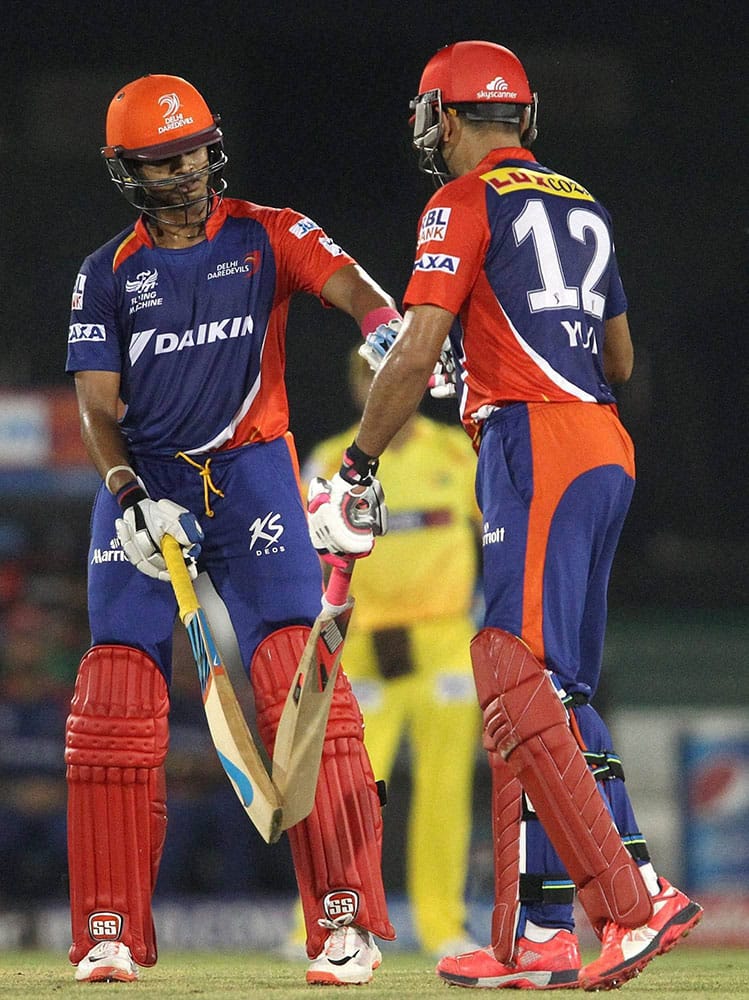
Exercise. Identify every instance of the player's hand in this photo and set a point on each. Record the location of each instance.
(378, 343)
(344, 518)
(142, 528)
(442, 380)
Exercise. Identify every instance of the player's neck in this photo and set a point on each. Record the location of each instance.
(177, 237)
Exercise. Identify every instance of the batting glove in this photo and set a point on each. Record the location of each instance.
(378, 343)
(141, 530)
(344, 518)
(442, 380)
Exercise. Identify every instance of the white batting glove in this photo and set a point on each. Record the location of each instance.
(442, 380)
(141, 530)
(378, 343)
(344, 518)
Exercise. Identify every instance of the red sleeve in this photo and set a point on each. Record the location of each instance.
(451, 245)
(305, 255)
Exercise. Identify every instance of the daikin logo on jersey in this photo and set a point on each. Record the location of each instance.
(203, 335)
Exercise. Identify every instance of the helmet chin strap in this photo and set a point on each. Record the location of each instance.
(160, 213)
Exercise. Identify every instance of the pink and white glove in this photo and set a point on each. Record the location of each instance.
(344, 517)
(442, 380)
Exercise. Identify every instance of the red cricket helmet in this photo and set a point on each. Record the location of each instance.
(482, 81)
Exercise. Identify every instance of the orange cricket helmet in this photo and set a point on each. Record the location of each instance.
(481, 81)
(155, 118)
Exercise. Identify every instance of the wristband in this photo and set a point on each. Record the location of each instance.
(357, 465)
(378, 317)
(117, 468)
(130, 494)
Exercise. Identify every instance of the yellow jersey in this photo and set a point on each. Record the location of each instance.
(425, 566)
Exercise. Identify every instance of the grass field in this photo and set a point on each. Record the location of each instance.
(691, 973)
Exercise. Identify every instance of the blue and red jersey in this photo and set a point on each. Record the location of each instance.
(524, 258)
(197, 335)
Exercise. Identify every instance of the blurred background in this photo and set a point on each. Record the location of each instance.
(645, 105)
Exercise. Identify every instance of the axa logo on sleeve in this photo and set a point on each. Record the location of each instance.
(203, 334)
(86, 331)
(433, 226)
(437, 262)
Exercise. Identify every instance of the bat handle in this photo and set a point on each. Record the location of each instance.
(181, 582)
(336, 593)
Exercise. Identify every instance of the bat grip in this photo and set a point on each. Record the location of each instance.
(336, 593)
(181, 582)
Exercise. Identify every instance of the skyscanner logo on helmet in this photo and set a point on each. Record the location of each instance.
(173, 117)
(498, 87)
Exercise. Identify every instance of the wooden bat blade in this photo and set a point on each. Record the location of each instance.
(231, 736)
(301, 729)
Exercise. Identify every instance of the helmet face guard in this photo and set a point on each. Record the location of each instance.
(428, 129)
(145, 195)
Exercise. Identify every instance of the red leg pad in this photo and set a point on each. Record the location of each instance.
(507, 814)
(116, 741)
(337, 850)
(526, 723)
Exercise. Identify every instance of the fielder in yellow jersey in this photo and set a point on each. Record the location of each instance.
(407, 651)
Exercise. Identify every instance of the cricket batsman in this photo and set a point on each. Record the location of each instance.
(177, 346)
(515, 263)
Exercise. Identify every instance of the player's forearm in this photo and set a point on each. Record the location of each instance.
(106, 447)
(394, 397)
(355, 292)
(400, 382)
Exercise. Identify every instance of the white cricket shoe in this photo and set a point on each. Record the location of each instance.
(348, 958)
(107, 962)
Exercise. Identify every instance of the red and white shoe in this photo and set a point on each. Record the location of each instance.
(626, 952)
(107, 962)
(548, 965)
(348, 958)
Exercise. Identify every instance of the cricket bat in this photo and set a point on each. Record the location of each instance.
(231, 736)
(301, 729)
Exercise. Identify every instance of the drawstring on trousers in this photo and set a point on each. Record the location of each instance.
(208, 484)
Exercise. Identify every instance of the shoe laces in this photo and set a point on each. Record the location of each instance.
(338, 923)
(343, 939)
